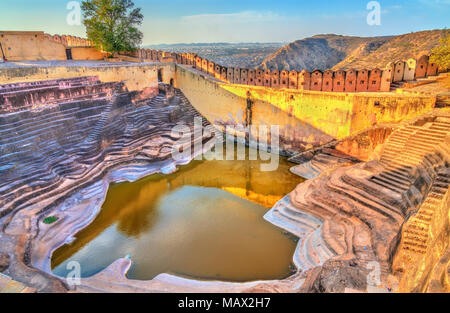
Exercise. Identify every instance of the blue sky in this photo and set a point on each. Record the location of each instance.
(176, 21)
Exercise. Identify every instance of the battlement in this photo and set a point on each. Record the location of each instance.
(37, 45)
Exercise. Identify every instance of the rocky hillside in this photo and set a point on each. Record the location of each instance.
(343, 52)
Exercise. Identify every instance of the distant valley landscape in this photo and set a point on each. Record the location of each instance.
(244, 55)
(322, 52)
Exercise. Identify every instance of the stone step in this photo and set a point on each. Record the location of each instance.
(418, 144)
(398, 174)
(60, 83)
(422, 218)
(404, 163)
(434, 132)
(419, 226)
(397, 179)
(67, 115)
(413, 248)
(400, 188)
(398, 169)
(412, 232)
(442, 124)
(427, 139)
(417, 240)
(364, 198)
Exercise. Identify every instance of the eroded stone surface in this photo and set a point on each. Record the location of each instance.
(5, 260)
(61, 147)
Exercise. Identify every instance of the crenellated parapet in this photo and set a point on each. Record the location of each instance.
(41, 46)
(350, 80)
(70, 41)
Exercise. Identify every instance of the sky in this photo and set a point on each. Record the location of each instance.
(188, 21)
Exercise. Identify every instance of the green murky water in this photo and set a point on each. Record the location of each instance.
(204, 221)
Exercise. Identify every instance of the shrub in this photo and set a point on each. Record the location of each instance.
(441, 54)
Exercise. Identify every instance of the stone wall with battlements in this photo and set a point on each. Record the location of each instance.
(306, 119)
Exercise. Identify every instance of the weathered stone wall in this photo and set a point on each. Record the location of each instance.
(87, 53)
(31, 46)
(49, 155)
(427, 270)
(135, 77)
(306, 118)
(367, 145)
(224, 106)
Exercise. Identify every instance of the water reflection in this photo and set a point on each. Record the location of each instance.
(205, 221)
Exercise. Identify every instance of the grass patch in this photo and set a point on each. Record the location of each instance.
(50, 220)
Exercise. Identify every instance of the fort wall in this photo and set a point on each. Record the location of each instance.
(19, 46)
(41, 46)
(306, 118)
(135, 77)
(87, 53)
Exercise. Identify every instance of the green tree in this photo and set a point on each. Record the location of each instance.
(112, 24)
(441, 54)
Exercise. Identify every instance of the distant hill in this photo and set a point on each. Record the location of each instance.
(344, 52)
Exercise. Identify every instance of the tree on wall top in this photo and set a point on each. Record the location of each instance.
(112, 24)
(441, 54)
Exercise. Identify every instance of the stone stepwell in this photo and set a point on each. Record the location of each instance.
(352, 218)
(59, 137)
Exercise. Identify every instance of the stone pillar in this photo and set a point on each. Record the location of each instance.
(211, 68)
(410, 70)
(268, 78)
(386, 79)
(327, 83)
(339, 81)
(350, 81)
(244, 76)
(218, 71)
(316, 80)
(275, 79)
(223, 73)
(293, 80)
(375, 80)
(284, 79)
(205, 65)
(399, 71)
(154, 55)
(362, 81)
(422, 66)
(432, 69)
(259, 78)
(230, 75)
(304, 80)
(251, 77)
(237, 75)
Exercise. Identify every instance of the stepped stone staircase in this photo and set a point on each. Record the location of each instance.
(324, 160)
(443, 100)
(396, 85)
(354, 215)
(417, 230)
(59, 137)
